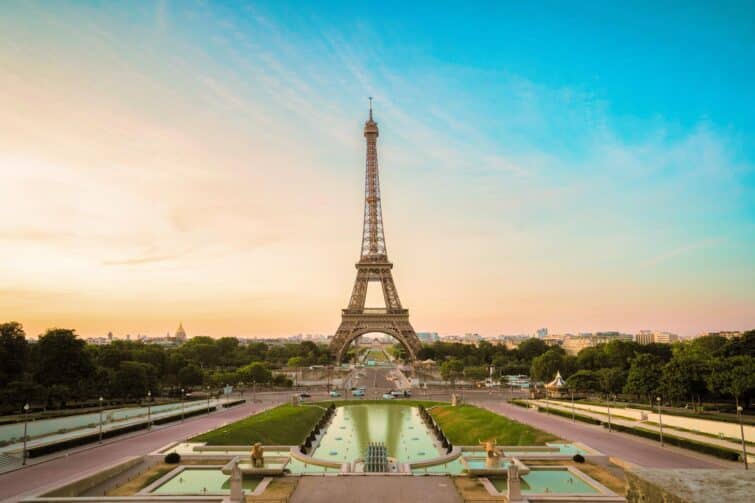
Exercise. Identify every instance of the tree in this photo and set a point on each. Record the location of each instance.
(478, 373)
(190, 375)
(685, 377)
(545, 366)
(451, 369)
(62, 359)
(255, 372)
(296, 361)
(583, 380)
(531, 348)
(733, 376)
(644, 376)
(611, 380)
(132, 380)
(13, 352)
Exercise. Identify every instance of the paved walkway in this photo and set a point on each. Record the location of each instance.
(73, 464)
(615, 419)
(630, 448)
(400, 489)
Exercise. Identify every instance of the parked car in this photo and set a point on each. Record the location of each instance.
(304, 396)
(399, 393)
(334, 394)
(358, 392)
(389, 396)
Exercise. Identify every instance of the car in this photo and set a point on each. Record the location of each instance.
(398, 393)
(302, 396)
(358, 392)
(388, 396)
(334, 394)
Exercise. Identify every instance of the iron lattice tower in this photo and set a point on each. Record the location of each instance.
(373, 265)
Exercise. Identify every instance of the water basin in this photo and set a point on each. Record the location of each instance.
(548, 481)
(202, 481)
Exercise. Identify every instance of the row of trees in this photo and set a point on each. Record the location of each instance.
(60, 367)
(704, 368)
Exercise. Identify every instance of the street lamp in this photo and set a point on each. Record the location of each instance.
(149, 410)
(26, 422)
(182, 404)
(254, 390)
(208, 399)
(101, 419)
(609, 413)
(660, 417)
(572, 406)
(742, 431)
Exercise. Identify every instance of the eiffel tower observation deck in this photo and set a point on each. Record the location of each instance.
(374, 266)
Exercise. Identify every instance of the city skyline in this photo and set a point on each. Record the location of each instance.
(167, 162)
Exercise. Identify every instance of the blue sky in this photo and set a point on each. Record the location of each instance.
(580, 166)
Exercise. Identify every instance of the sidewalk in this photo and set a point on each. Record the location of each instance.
(637, 423)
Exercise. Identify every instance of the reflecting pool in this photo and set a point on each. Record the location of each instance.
(398, 426)
(548, 481)
(202, 481)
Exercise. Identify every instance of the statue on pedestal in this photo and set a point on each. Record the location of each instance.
(257, 456)
(493, 459)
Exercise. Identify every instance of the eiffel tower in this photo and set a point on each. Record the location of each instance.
(373, 265)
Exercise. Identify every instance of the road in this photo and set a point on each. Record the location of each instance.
(75, 463)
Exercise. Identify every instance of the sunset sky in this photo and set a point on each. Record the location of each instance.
(580, 168)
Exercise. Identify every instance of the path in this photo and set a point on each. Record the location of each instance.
(375, 488)
(14, 485)
(618, 416)
(630, 448)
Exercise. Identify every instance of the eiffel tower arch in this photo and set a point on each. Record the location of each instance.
(374, 266)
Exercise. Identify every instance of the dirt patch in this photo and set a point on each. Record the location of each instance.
(471, 489)
(279, 490)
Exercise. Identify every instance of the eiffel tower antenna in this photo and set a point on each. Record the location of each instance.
(374, 266)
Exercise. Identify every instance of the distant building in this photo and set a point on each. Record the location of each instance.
(573, 344)
(541, 333)
(650, 337)
(665, 338)
(727, 334)
(644, 337)
(428, 337)
(180, 333)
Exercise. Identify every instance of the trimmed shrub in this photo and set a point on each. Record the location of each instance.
(578, 458)
(172, 458)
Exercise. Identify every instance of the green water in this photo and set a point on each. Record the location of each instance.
(548, 481)
(481, 464)
(399, 427)
(202, 481)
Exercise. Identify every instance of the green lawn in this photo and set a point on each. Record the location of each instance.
(283, 425)
(468, 425)
(289, 425)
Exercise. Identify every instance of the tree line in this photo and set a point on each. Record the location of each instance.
(702, 369)
(60, 368)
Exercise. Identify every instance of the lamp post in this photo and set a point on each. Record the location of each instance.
(660, 417)
(254, 390)
(208, 399)
(572, 406)
(26, 422)
(101, 399)
(742, 432)
(182, 404)
(149, 410)
(609, 413)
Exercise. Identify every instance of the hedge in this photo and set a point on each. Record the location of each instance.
(713, 450)
(234, 403)
(520, 403)
(563, 413)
